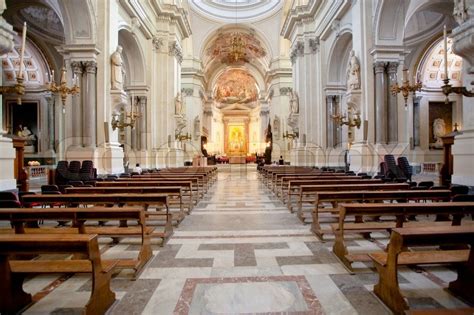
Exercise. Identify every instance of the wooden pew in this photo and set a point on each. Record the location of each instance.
(369, 196)
(307, 193)
(20, 216)
(189, 191)
(198, 190)
(282, 181)
(291, 186)
(144, 200)
(387, 288)
(203, 180)
(398, 210)
(174, 193)
(13, 271)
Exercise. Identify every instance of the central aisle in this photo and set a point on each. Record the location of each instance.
(242, 251)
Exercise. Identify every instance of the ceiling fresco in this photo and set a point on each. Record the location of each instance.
(236, 86)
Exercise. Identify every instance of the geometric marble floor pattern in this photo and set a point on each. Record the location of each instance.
(241, 251)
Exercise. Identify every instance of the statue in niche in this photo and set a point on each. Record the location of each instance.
(178, 105)
(30, 138)
(353, 73)
(117, 69)
(439, 130)
(294, 103)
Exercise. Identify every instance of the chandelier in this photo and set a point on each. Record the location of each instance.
(236, 48)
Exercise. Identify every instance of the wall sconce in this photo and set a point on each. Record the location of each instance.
(288, 135)
(63, 90)
(406, 87)
(350, 122)
(184, 137)
(124, 119)
(448, 88)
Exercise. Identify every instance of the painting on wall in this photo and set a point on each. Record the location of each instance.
(440, 123)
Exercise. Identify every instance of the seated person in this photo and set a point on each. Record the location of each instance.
(281, 161)
(137, 169)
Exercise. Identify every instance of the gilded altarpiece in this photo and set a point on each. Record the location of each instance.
(236, 138)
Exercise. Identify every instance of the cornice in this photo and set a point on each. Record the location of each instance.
(136, 10)
(298, 15)
(175, 14)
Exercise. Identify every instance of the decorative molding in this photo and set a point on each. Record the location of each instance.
(460, 12)
(285, 90)
(336, 27)
(187, 91)
(175, 50)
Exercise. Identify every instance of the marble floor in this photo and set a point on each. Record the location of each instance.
(242, 252)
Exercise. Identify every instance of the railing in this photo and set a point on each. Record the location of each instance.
(36, 176)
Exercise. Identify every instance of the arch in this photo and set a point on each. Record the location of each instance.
(389, 22)
(134, 60)
(338, 58)
(79, 21)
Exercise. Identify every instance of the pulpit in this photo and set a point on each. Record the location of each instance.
(447, 169)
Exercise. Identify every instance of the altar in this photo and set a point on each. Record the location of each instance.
(236, 159)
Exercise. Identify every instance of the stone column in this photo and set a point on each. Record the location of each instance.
(77, 106)
(90, 99)
(142, 131)
(331, 109)
(392, 69)
(380, 103)
(136, 128)
(50, 101)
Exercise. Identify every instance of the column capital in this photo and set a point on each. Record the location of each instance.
(77, 67)
(392, 67)
(379, 66)
(176, 50)
(90, 66)
(297, 51)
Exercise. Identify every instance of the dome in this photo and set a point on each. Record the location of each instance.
(240, 10)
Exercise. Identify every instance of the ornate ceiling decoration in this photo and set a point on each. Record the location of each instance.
(433, 66)
(236, 48)
(234, 88)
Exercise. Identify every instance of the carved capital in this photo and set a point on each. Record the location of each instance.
(158, 43)
(175, 50)
(298, 51)
(187, 91)
(285, 90)
(77, 67)
(90, 66)
(392, 67)
(379, 67)
(313, 44)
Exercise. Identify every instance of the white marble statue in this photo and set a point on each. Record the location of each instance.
(439, 130)
(117, 64)
(178, 105)
(294, 103)
(353, 73)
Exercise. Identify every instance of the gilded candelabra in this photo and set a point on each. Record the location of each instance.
(350, 121)
(18, 88)
(124, 119)
(293, 135)
(62, 89)
(448, 89)
(184, 137)
(406, 87)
